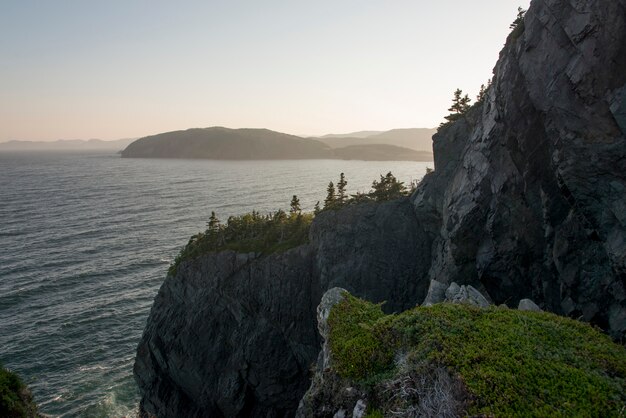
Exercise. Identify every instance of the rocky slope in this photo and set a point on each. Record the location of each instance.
(527, 200)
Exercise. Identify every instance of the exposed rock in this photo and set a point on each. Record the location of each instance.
(465, 294)
(230, 335)
(359, 409)
(330, 299)
(378, 252)
(436, 293)
(528, 305)
(529, 188)
(234, 334)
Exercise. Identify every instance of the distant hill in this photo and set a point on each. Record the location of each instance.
(257, 144)
(227, 144)
(66, 145)
(359, 134)
(381, 152)
(419, 139)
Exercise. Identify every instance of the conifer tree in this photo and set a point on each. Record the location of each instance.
(460, 105)
(317, 208)
(295, 206)
(481, 93)
(214, 223)
(519, 19)
(330, 196)
(387, 188)
(341, 189)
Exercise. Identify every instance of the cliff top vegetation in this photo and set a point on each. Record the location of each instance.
(502, 362)
(279, 231)
(15, 398)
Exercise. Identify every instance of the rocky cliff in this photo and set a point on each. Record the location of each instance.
(234, 334)
(527, 200)
(528, 194)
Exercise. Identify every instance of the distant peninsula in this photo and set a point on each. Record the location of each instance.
(221, 143)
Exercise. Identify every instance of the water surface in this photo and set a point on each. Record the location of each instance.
(86, 239)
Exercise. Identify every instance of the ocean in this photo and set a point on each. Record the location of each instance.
(86, 240)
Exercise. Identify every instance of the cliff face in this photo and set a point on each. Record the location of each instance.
(527, 200)
(234, 334)
(528, 191)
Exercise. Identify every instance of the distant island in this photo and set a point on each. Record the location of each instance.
(67, 145)
(221, 143)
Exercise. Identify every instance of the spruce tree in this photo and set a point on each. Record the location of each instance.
(460, 105)
(387, 188)
(295, 206)
(519, 19)
(481, 93)
(317, 208)
(214, 223)
(330, 196)
(341, 189)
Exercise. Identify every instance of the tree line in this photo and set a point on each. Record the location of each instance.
(278, 231)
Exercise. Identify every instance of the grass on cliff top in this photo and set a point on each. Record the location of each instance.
(511, 363)
(15, 399)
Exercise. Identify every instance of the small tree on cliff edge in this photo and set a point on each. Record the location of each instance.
(519, 19)
(214, 223)
(295, 206)
(341, 189)
(330, 196)
(317, 208)
(460, 105)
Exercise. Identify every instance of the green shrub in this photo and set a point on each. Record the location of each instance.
(358, 340)
(511, 363)
(15, 399)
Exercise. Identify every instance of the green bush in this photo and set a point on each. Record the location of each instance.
(511, 363)
(15, 399)
(358, 339)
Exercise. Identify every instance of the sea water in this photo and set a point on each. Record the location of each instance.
(86, 240)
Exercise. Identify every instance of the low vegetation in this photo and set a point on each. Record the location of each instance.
(280, 231)
(505, 362)
(15, 398)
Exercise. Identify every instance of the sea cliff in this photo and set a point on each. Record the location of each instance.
(527, 201)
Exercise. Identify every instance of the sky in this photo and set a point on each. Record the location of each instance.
(77, 69)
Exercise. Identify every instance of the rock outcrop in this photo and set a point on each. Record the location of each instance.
(529, 188)
(235, 334)
(527, 201)
(456, 360)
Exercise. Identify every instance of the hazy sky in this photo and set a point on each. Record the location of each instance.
(114, 69)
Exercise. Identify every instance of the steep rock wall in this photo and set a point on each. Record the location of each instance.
(234, 334)
(529, 187)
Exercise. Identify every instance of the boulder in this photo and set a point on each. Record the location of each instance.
(528, 305)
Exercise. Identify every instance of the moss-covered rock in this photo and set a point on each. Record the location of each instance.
(450, 359)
